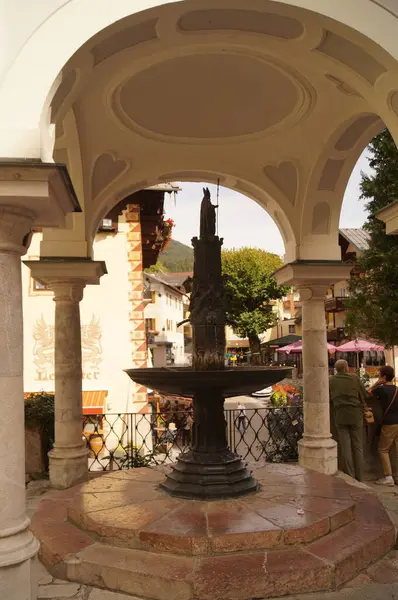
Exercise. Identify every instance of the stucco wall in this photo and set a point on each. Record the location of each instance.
(167, 307)
(105, 322)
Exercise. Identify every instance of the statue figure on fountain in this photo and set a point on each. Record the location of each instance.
(207, 216)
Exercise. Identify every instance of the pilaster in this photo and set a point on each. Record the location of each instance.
(136, 295)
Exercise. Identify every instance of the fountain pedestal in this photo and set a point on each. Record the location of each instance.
(209, 469)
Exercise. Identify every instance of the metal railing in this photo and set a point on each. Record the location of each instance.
(127, 441)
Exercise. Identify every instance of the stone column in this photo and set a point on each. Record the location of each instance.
(68, 459)
(317, 449)
(67, 278)
(17, 544)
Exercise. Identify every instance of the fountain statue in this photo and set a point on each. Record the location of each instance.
(209, 469)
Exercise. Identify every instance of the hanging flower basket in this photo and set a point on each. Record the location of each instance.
(165, 234)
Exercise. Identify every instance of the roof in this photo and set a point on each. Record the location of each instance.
(165, 187)
(357, 237)
(177, 279)
(160, 278)
(283, 341)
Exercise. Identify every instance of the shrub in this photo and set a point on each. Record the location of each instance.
(39, 415)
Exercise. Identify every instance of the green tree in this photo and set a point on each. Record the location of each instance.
(158, 268)
(373, 306)
(250, 286)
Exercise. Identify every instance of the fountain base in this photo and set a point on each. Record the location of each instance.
(197, 475)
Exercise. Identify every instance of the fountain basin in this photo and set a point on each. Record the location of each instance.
(184, 381)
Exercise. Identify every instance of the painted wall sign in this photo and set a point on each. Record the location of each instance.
(43, 349)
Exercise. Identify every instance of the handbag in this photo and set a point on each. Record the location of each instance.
(368, 415)
(378, 430)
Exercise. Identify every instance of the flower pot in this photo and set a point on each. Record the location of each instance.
(96, 444)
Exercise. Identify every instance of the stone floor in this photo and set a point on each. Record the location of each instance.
(306, 519)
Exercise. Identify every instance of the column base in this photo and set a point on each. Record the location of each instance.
(18, 556)
(318, 455)
(68, 467)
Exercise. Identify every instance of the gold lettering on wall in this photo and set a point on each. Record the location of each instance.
(43, 349)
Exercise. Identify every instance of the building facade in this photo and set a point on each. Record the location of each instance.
(113, 336)
(164, 311)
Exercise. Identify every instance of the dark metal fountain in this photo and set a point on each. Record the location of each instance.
(209, 469)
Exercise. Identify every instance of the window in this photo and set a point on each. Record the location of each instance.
(292, 329)
(150, 324)
(153, 297)
(39, 287)
(169, 325)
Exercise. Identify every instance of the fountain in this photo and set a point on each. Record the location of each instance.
(123, 534)
(209, 469)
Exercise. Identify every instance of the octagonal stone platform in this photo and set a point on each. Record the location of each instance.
(301, 532)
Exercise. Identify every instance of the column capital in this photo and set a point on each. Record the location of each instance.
(312, 275)
(68, 291)
(44, 190)
(66, 273)
(312, 292)
(15, 229)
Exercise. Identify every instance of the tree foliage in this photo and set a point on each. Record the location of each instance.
(158, 268)
(250, 286)
(373, 306)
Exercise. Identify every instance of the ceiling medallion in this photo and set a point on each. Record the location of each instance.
(207, 101)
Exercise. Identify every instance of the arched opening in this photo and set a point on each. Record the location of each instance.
(276, 98)
(243, 106)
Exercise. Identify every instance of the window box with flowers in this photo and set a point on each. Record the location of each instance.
(165, 234)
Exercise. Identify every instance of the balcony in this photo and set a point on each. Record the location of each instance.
(335, 304)
(337, 334)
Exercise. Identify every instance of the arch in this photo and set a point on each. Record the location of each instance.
(229, 181)
(76, 21)
(332, 170)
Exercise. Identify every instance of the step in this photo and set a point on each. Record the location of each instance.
(165, 524)
(353, 548)
(171, 577)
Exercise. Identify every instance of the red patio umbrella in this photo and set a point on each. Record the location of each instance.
(360, 346)
(297, 348)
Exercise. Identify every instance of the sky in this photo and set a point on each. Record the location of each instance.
(242, 222)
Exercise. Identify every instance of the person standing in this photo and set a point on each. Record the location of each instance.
(187, 428)
(242, 418)
(348, 397)
(386, 393)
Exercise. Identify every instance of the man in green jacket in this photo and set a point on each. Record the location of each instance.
(348, 397)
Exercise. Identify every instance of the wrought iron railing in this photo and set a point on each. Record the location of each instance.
(126, 441)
